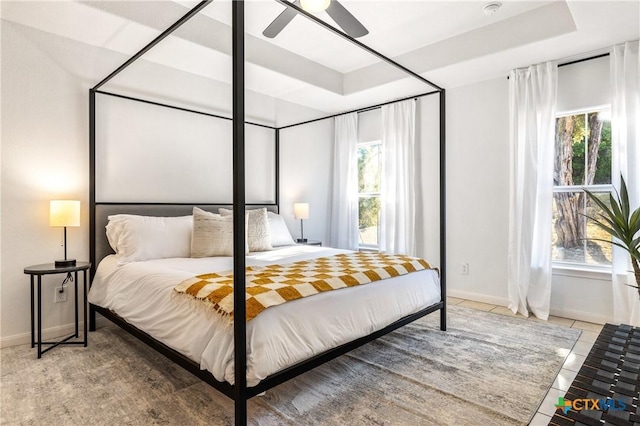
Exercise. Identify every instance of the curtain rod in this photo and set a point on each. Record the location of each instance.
(583, 60)
(577, 61)
(365, 109)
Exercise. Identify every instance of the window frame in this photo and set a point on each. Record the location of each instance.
(566, 268)
(378, 194)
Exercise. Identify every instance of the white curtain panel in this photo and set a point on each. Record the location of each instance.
(398, 212)
(344, 202)
(532, 109)
(625, 139)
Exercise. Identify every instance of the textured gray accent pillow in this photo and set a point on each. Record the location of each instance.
(212, 234)
(257, 229)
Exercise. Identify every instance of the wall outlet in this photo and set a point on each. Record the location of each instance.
(465, 269)
(59, 296)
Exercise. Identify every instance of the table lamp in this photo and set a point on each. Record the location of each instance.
(301, 211)
(64, 213)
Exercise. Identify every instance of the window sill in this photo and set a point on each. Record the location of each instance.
(578, 271)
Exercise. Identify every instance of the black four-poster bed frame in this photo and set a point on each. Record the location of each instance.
(239, 392)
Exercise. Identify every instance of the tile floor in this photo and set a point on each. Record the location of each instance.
(571, 366)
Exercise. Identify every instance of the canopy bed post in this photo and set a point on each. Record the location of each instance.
(92, 198)
(277, 153)
(443, 213)
(100, 209)
(239, 260)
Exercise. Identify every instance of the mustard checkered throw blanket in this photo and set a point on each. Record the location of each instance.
(274, 285)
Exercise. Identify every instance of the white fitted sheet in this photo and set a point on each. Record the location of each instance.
(142, 294)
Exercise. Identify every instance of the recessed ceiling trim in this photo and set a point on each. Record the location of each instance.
(359, 44)
(155, 41)
(261, 53)
(552, 20)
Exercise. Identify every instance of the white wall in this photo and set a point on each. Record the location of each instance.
(306, 154)
(478, 190)
(427, 170)
(1, 192)
(477, 195)
(478, 185)
(186, 157)
(428, 178)
(45, 155)
(306, 166)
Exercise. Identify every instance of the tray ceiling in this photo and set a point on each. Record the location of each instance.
(451, 43)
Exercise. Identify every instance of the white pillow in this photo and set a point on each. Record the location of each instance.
(280, 235)
(258, 235)
(213, 234)
(135, 238)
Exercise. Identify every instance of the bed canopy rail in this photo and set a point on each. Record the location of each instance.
(194, 111)
(360, 110)
(239, 391)
(154, 42)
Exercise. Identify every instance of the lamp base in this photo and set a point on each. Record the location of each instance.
(301, 240)
(65, 263)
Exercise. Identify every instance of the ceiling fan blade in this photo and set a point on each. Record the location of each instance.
(346, 20)
(281, 21)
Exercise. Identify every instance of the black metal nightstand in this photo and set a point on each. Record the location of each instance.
(310, 243)
(50, 269)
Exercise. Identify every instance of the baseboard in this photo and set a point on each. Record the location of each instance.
(477, 297)
(503, 301)
(581, 316)
(51, 333)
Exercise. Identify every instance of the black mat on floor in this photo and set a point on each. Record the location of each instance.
(607, 388)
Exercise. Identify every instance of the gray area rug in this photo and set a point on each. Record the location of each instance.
(487, 369)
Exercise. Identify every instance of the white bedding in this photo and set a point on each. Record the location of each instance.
(142, 293)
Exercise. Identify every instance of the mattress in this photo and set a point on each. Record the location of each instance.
(281, 336)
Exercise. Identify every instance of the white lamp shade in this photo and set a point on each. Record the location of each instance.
(315, 6)
(64, 213)
(301, 210)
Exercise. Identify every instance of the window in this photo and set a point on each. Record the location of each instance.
(582, 160)
(369, 172)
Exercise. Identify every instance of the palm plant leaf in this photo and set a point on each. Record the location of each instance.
(605, 208)
(608, 229)
(620, 230)
(614, 206)
(634, 221)
(616, 228)
(622, 246)
(618, 221)
(624, 199)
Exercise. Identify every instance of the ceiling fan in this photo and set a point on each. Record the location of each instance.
(336, 11)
